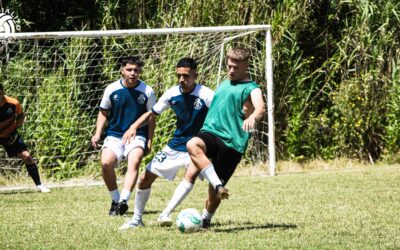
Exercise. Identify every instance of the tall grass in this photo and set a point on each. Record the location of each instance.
(336, 68)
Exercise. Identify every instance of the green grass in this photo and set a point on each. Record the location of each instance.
(356, 209)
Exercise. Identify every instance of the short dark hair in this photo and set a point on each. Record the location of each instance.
(131, 60)
(187, 62)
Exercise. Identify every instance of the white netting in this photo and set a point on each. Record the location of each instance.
(60, 81)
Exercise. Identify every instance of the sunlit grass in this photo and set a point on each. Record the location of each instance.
(355, 209)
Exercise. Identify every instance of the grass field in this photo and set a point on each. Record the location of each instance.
(355, 209)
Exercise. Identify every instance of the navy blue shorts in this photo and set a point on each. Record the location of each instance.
(224, 159)
(13, 144)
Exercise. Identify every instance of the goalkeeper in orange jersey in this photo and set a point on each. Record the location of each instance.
(218, 148)
(11, 118)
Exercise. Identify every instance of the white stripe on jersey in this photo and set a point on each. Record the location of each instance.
(200, 91)
(142, 87)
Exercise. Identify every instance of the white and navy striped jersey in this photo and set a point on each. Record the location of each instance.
(125, 106)
(190, 110)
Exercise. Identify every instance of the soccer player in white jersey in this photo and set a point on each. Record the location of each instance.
(123, 102)
(190, 102)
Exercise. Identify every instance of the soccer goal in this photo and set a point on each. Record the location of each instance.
(59, 78)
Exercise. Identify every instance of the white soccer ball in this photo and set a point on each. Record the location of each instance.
(189, 220)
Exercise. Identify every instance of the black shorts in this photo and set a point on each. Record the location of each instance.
(224, 159)
(13, 144)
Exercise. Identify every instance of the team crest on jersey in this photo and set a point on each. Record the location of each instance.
(9, 111)
(141, 99)
(197, 104)
(115, 97)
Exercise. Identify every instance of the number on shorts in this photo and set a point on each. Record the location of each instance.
(160, 156)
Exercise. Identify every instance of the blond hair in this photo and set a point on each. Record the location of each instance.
(238, 54)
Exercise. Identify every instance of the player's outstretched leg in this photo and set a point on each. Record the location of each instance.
(181, 191)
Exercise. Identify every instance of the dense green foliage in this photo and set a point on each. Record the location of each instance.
(326, 210)
(336, 63)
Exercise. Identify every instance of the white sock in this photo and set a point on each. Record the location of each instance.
(181, 191)
(141, 198)
(125, 195)
(211, 175)
(114, 195)
(206, 215)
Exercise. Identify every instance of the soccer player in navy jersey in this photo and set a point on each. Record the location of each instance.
(11, 118)
(190, 101)
(217, 150)
(123, 102)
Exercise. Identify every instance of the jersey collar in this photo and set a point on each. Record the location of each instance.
(194, 87)
(122, 84)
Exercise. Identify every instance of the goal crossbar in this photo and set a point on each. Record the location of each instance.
(159, 31)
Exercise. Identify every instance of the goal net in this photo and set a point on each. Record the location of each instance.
(59, 78)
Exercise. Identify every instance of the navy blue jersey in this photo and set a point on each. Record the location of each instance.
(190, 110)
(125, 106)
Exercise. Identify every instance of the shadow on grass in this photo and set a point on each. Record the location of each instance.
(152, 212)
(23, 191)
(250, 226)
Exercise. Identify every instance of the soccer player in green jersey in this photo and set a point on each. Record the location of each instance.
(217, 150)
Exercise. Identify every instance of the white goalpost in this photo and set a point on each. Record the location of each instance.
(59, 78)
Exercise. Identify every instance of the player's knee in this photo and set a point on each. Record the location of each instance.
(193, 146)
(26, 157)
(134, 163)
(106, 165)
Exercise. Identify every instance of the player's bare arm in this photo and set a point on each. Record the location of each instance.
(100, 123)
(258, 104)
(143, 120)
(20, 119)
(152, 126)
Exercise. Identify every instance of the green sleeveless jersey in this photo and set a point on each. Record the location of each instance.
(225, 115)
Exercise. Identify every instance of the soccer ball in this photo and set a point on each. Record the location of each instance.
(189, 221)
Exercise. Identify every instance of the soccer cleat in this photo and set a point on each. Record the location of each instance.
(42, 189)
(222, 192)
(206, 224)
(131, 224)
(122, 207)
(164, 220)
(113, 209)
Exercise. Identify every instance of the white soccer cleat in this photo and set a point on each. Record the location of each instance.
(130, 224)
(164, 220)
(42, 189)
